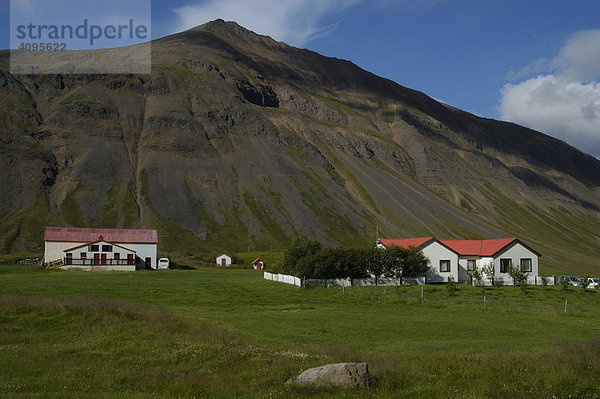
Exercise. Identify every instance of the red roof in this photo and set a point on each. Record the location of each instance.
(121, 236)
(477, 247)
(405, 243)
(256, 260)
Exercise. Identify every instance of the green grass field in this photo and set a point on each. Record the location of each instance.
(229, 333)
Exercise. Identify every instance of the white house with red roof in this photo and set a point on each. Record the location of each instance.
(101, 249)
(224, 260)
(258, 264)
(454, 258)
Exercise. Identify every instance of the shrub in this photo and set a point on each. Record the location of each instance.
(451, 286)
(476, 277)
(564, 284)
(519, 278)
(585, 281)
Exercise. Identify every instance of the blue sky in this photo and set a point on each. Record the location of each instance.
(533, 62)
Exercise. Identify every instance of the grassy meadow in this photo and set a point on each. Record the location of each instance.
(229, 333)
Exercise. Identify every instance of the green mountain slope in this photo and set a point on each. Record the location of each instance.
(236, 140)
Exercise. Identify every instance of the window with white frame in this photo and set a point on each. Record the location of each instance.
(471, 264)
(505, 265)
(526, 265)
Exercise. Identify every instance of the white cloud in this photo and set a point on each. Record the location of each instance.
(295, 22)
(566, 102)
(579, 59)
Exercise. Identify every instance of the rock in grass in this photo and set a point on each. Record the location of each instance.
(343, 375)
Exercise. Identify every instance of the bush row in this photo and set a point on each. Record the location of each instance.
(310, 259)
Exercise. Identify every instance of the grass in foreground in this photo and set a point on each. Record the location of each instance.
(222, 333)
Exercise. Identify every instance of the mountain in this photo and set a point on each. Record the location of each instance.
(237, 140)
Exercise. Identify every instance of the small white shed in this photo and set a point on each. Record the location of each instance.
(224, 260)
(258, 264)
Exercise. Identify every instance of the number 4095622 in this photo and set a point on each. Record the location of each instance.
(43, 46)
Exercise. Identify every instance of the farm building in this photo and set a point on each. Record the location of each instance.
(454, 258)
(224, 260)
(100, 249)
(258, 264)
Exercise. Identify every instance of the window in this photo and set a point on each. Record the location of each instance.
(94, 248)
(106, 248)
(444, 266)
(117, 256)
(526, 265)
(83, 255)
(471, 264)
(505, 265)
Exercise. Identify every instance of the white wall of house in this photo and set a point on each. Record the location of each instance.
(516, 252)
(123, 252)
(144, 251)
(436, 252)
(55, 251)
(480, 263)
(463, 274)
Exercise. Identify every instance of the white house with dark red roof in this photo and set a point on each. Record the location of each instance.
(101, 249)
(454, 258)
(443, 261)
(224, 260)
(258, 264)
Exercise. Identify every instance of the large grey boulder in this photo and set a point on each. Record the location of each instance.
(343, 375)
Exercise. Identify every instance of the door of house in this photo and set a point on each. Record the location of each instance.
(117, 256)
(103, 259)
(96, 259)
(223, 262)
(69, 259)
(130, 259)
(148, 263)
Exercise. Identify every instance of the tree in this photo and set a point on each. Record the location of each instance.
(404, 262)
(564, 283)
(301, 248)
(376, 262)
(490, 271)
(476, 276)
(519, 277)
(395, 260)
(416, 264)
(451, 286)
(585, 281)
(351, 263)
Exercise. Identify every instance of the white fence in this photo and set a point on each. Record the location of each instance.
(342, 282)
(383, 281)
(531, 280)
(283, 278)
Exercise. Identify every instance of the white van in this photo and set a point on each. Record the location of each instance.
(163, 263)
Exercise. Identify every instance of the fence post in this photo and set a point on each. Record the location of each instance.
(566, 303)
(422, 296)
(484, 302)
